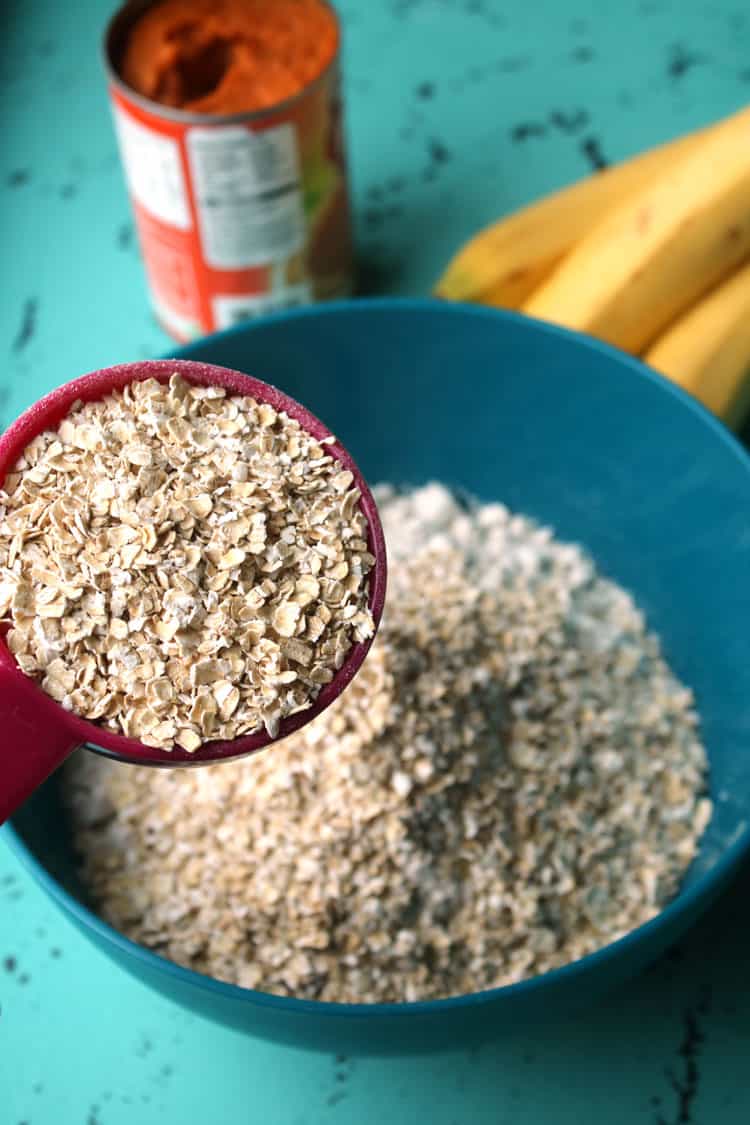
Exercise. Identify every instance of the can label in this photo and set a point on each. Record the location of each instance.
(248, 194)
(242, 218)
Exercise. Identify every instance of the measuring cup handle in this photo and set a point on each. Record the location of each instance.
(33, 740)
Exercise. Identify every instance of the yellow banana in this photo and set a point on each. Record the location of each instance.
(504, 263)
(707, 351)
(657, 252)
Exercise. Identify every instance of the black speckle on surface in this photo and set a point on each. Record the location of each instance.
(569, 122)
(592, 150)
(167, 1070)
(144, 1048)
(10, 964)
(38, 1088)
(375, 193)
(525, 130)
(681, 59)
(396, 184)
(439, 154)
(55, 952)
(744, 75)
(578, 27)
(68, 191)
(685, 1085)
(93, 1116)
(583, 54)
(343, 1068)
(24, 978)
(335, 1097)
(40, 931)
(425, 91)
(27, 327)
(19, 177)
(125, 236)
(8, 880)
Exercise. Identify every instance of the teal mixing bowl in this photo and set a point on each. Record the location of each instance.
(583, 438)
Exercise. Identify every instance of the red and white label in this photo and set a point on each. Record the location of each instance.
(220, 211)
(154, 171)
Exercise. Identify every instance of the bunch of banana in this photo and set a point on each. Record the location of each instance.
(651, 255)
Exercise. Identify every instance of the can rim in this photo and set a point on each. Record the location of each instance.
(125, 17)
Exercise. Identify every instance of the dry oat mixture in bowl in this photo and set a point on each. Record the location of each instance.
(536, 780)
(514, 779)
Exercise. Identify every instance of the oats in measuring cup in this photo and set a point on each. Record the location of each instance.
(182, 565)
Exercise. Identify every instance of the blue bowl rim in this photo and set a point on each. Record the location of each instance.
(682, 905)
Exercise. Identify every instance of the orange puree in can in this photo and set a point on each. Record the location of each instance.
(228, 56)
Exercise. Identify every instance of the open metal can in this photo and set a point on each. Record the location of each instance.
(236, 215)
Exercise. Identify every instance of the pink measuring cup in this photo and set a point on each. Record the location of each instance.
(36, 733)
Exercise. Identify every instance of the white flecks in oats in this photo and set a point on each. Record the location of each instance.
(182, 565)
(513, 780)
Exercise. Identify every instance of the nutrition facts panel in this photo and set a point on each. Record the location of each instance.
(248, 195)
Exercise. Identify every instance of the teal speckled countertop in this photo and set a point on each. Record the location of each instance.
(458, 110)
